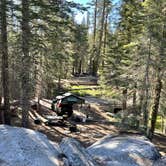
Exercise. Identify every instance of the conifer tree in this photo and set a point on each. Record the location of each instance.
(5, 66)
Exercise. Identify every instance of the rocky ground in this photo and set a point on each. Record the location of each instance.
(21, 146)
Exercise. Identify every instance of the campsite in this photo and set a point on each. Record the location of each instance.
(82, 82)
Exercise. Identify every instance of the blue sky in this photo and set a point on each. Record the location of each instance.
(81, 1)
(86, 1)
(79, 16)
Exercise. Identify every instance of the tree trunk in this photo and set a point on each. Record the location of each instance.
(73, 68)
(59, 83)
(99, 48)
(155, 106)
(80, 67)
(26, 89)
(92, 67)
(140, 107)
(146, 82)
(39, 73)
(2, 121)
(135, 98)
(95, 19)
(124, 102)
(105, 36)
(135, 111)
(158, 87)
(5, 68)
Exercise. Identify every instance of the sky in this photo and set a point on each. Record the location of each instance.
(79, 16)
(81, 1)
(85, 1)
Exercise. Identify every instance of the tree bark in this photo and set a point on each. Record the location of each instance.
(26, 89)
(95, 19)
(155, 106)
(105, 36)
(124, 102)
(146, 82)
(5, 68)
(39, 74)
(135, 110)
(158, 87)
(135, 98)
(92, 64)
(99, 48)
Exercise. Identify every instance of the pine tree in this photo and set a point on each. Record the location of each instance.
(5, 66)
(26, 63)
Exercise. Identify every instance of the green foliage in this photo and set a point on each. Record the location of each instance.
(95, 91)
(53, 39)
(159, 123)
(84, 91)
(129, 57)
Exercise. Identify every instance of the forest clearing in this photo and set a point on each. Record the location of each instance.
(88, 132)
(83, 82)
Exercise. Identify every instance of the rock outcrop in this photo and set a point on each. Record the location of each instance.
(160, 162)
(124, 150)
(20, 146)
(76, 153)
(25, 147)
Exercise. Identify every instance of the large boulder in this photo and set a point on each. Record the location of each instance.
(25, 147)
(76, 153)
(160, 162)
(126, 150)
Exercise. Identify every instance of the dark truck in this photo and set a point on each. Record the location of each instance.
(63, 105)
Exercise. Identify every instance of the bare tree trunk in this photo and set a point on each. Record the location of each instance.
(92, 64)
(59, 83)
(5, 68)
(95, 20)
(26, 89)
(158, 87)
(155, 106)
(80, 67)
(39, 72)
(105, 36)
(135, 110)
(135, 98)
(124, 102)
(147, 82)
(98, 55)
(2, 121)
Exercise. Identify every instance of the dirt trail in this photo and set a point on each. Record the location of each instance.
(88, 132)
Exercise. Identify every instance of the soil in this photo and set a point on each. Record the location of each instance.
(88, 132)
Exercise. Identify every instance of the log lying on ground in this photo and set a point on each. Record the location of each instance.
(124, 150)
(76, 153)
(20, 146)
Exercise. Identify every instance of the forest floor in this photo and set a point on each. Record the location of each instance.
(90, 131)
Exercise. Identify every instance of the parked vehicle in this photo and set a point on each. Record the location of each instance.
(63, 105)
